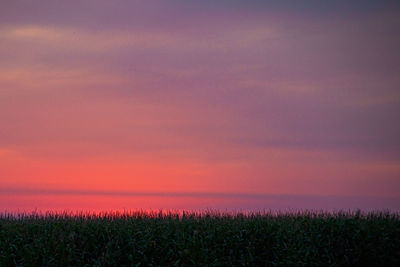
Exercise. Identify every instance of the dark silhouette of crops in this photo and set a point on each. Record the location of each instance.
(208, 238)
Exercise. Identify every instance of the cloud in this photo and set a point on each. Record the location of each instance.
(92, 41)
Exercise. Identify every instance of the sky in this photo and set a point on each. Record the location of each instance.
(184, 104)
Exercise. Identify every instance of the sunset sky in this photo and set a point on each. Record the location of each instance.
(148, 101)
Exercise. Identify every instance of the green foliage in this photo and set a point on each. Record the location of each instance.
(210, 239)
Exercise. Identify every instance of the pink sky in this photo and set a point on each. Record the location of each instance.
(222, 97)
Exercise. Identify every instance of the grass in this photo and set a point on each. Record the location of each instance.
(208, 238)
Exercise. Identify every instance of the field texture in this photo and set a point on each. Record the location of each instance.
(202, 239)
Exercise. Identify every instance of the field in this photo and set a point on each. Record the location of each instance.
(208, 238)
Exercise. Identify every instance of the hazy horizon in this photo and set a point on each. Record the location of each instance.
(36, 199)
